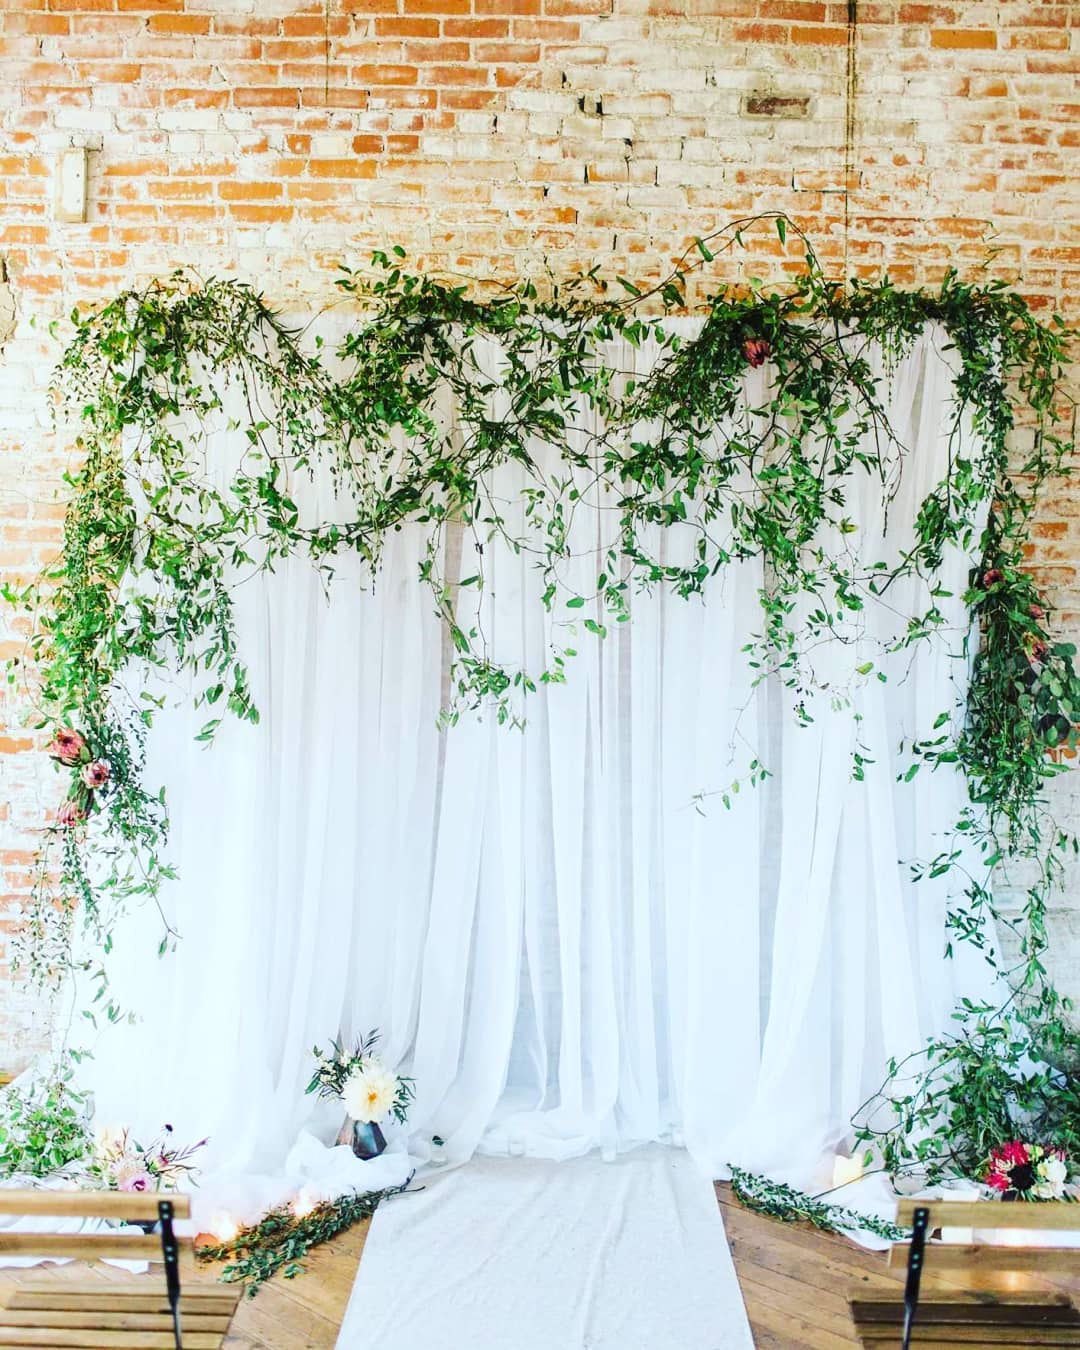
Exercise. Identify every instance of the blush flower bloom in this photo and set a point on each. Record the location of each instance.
(71, 813)
(67, 746)
(138, 1182)
(95, 775)
(757, 351)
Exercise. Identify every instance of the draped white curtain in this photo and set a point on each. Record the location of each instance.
(563, 934)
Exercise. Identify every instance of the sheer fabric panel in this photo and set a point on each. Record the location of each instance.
(564, 935)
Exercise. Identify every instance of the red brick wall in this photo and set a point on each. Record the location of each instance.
(271, 140)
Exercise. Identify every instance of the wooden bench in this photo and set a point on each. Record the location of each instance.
(123, 1314)
(1007, 1320)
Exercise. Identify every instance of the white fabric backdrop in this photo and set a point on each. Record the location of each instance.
(557, 941)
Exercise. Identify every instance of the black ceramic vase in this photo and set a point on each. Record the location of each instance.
(364, 1137)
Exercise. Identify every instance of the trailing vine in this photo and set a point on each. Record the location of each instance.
(154, 541)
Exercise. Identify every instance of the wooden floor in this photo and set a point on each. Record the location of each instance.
(796, 1283)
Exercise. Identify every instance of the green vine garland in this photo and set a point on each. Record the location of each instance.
(151, 544)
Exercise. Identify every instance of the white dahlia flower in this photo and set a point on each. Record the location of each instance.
(369, 1092)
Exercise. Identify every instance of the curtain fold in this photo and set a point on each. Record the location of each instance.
(562, 932)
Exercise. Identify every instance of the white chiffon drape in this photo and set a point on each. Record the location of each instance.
(561, 931)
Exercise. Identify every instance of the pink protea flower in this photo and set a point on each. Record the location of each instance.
(1037, 649)
(757, 351)
(95, 775)
(137, 1182)
(71, 813)
(1037, 611)
(992, 576)
(67, 746)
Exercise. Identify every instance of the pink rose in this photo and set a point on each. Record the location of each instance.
(757, 351)
(71, 813)
(95, 775)
(138, 1181)
(67, 746)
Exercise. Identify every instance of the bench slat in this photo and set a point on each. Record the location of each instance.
(947, 1256)
(60, 1339)
(115, 1319)
(90, 1291)
(87, 1246)
(1047, 1215)
(93, 1204)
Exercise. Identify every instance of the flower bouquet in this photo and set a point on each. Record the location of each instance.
(1023, 1171)
(90, 776)
(121, 1164)
(367, 1089)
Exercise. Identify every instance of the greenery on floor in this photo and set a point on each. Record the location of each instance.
(777, 1201)
(282, 1237)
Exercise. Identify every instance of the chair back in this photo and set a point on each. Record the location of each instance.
(925, 1217)
(120, 1206)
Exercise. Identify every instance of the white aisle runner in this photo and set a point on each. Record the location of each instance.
(525, 1254)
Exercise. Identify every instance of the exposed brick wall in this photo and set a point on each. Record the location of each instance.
(271, 140)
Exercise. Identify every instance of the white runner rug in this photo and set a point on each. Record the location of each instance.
(524, 1254)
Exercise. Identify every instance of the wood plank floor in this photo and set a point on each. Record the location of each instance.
(796, 1283)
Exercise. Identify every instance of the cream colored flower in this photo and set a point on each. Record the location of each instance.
(109, 1140)
(369, 1093)
(1052, 1174)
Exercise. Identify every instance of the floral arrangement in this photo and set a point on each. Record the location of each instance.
(121, 1164)
(69, 748)
(1023, 1171)
(360, 1080)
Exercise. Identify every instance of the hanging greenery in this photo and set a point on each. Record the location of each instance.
(154, 541)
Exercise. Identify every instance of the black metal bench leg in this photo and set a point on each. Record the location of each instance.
(172, 1265)
(914, 1272)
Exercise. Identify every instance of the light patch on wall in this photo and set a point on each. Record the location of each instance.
(71, 174)
(7, 306)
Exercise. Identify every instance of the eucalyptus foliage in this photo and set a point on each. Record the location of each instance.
(154, 540)
(281, 1239)
(776, 1200)
(43, 1127)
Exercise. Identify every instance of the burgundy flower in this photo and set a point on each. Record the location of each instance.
(1038, 651)
(757, 351)
(992, 576)
(95, 775)
(71, 813)
(1037, 611)
(67, 746)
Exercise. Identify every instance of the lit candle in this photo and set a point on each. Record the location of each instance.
(224, 1228)
(303, 1203)
(846, 1169)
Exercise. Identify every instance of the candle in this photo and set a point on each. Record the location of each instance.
(846, 1169)
(303, 1203)
(224, 1228)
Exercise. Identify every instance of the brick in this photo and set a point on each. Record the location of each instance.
(974, 39)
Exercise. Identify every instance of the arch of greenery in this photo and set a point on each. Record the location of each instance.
(142, 511)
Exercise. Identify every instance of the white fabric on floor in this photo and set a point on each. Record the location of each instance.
(562, 941)
(537, 1255)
